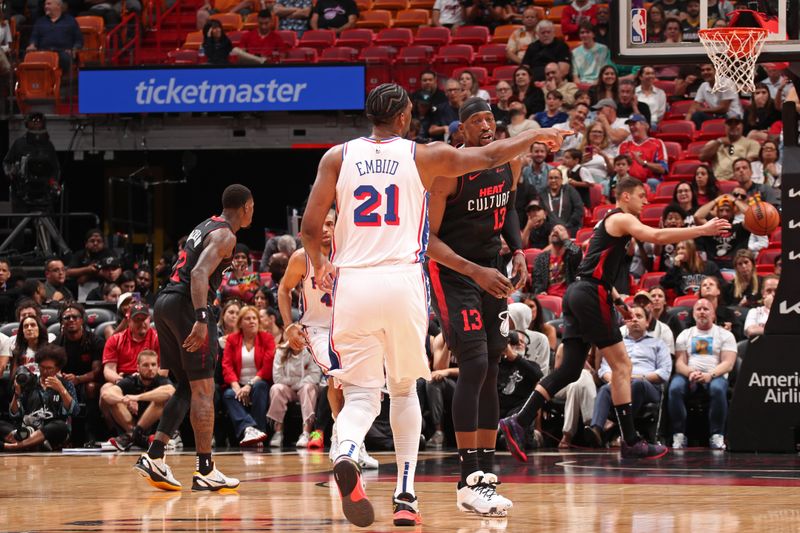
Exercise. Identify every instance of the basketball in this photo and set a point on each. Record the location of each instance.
(761, 218)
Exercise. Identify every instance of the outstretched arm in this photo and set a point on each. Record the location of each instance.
(627, 224)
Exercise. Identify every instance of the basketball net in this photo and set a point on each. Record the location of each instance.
(734, 52)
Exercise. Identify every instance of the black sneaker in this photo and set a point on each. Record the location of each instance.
(355, 505)
(515, 437)
(406, 510)
(595, 436)
(643, 450)
(122, 442)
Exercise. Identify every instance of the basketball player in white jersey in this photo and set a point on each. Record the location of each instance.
(313, 328)
(380, 297)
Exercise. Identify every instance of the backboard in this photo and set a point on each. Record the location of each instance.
(634, 42)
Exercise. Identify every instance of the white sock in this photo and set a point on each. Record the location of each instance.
(406, 421)
(361, 406)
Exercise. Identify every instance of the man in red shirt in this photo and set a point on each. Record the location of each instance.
(262, 44)
(123, 348)
(649, 155)
(574, 14)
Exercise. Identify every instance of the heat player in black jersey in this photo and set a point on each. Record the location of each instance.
(188, 339)
(470, 288)
(590, 309)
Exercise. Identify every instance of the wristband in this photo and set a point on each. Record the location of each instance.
(619, 301)
(518, 251)
(201, 315)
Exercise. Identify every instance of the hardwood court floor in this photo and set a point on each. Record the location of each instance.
(690, 491)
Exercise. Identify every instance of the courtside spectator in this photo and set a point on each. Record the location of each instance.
(33, 289)
(31, 336)
(757, 317)
(220, 6)
(579, 397)
(84, 265)
(562, 202)
(124, 303)
(293, 15)
(589, 57)
(649, 155)
(296, 378)
(8, 294)
(654, 303)
(440, 388)
(109, 273)
(554, 269)
(744, 289)
(522, 37)
(122, 349)
(548, 49)
(708, 104)
(517, 375)
(261, 44)
(57, 31)
(228, 320)
(576, 14)
(336, 15)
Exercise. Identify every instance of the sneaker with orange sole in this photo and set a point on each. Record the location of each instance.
(355, 505)
(316, 441)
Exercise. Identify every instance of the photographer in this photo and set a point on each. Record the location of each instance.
(31, 165)
(41, 406)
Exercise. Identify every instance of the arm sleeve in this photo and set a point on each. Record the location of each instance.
(511, 230)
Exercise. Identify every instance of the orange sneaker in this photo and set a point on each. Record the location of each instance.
(355, 505)
(316, 441)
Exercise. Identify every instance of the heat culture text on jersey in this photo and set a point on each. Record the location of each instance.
(489, 198)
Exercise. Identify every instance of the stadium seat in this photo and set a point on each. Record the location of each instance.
(229, 21)
(554, 14)
(93, 29)
(434, 36)
(680, 131)
(411, 18)
(506, 72)
(682, 170)
(395, 37)
(583, 235)
(183, 57)
(693, 150)
(687, 300)
(390, 5)
(650, 280)
(677, 110)
(38, 78)
(95, 316)
(479, 72)
(54, 329)
(318, 39)
(596, 195)
(474, 36)
(651, 214)
(9, 329)
(236, 37)
(49, 316)
(421, 4)
(551, 302)
(767, 256)
(364, 5)
(491, 56)
(289, 37)
(711, 129)
(99, 328)
(664, 192)
(668, 86)
(194, 40)
(775, 238)
(530, 257)
(674, 151)
(451, 57)
(502, 33)
(375, 19)
(338, 54)
(727, 186)
(250, 21)
(600, 211)
(357, 38)
(728, 276)
(379, 65)
(301, 54)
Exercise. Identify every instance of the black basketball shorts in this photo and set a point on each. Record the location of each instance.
(589, 314)
(174, 317)
(473, 321)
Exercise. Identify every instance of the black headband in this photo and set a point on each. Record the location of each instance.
(474, 104)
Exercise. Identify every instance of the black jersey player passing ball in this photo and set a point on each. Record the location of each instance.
(188, 341)
(589, 317)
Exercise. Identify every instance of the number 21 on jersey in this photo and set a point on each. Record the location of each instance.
(365, 215)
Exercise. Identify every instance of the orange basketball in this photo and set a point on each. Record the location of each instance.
(761, 218)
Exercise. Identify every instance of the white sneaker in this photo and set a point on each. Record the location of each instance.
(480, 497)
(365, 461)
(277, 440)
(157, 473)
(175, 442)
(492, 480)
(302, 442)
(717, 442)
(679, 441)
(215, 480)
(252, 437)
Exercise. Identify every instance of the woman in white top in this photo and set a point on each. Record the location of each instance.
(31, 336)
(469, 83)
(767, 169)
(648, 93)
(596, 150)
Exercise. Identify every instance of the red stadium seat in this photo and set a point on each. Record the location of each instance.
(650, 280)
(683, 170)
(301, 54)
(550, 302)
(680, 131)
(435, 36)
(375, 19)
(711, 129)
(677, 110)
(411, 18)
(668, 86)
(379, 65)
(767, 256)
(93, 30)
(491, 56)
(289, 37)
(727, 186)
(530, 257)
(775, 239)
(693, 150)
(506, 72)
(394, 37)
(600, 211)
(338, 54)
(664, 192)
(451, 57)
(685, 301)
(410, 63)
(596, 195)
(583, 235)
(651, 214)
(503, 32)
(183, 57)
(390, 5)
(474, 36)
(318, 39)
(479, 72)
(358, 38)
(674, 151)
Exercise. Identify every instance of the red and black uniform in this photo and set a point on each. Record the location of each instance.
(174, 312)
(588, 307)
(471, 225)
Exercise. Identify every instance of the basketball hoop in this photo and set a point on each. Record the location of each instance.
(734, 52)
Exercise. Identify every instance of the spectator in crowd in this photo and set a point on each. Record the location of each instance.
(673, 31)
(144, 285)
(271, 321)
(217, 46)
(501, 109)
(683, 195)
(555, 268)
(448, 13)
(228, 320)
(483, 13)
(440, 388)
(293, 15)
(122, 349)
(602, 27)
(589, 57)
(40, 413)
(617, 129)
(261, 44)
(537, 345)
(778, 263)
(761, 114)
(743, 290)
(722, 152)
(578, 177)
(135, 404)
(648, 94)
(261, 301)
(447, 112)
(548, 49)
(722, 248)
(33, 289)
(658, 308)
(552, 113)
(84, 265)
(708, 104)
(537, 320)
(743, 174)
(757, 316)
(111, 293)
(555, 81)
(704, 184)
(522, 37)
(536, 173)
(336, 15)
(596, 153)
(247, 372)
(57, 31)
(240, 282)
(607, 86)
(109, 273)
(690, 22)
(517, 373)
(705, 353)
(26, 308)
(622, 167)
(655, 308)
(537, 227)
(562, 202)
(777, 82)
(525, 91)
(711, 290)
(423, 112)
(296, 378)
(124, 303)
(627, 104)
(687, 82)
(163, 269)
(575, 15)
(8, 293)
(127, 281)
(470, 86)
(767, 169)
(518, 123)
(428, 83)
(651, 365)
(241, 7)
(526, 194)
(579, 397)
(577, 124)
(662, 254)
(285, 244)
(656, 21)
(688, 270)
(31, 336)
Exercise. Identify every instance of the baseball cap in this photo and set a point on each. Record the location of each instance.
(604, 102)
(110, 262)
(123, 298)
(423, 97)
(738, 120)
(636, 117)
(139, 308)
(644, 295)
(782, 65)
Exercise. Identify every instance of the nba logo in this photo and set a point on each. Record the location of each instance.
(638, 25)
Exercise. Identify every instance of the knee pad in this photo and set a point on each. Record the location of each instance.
(367, 398)
(406, 387)
(472, 366)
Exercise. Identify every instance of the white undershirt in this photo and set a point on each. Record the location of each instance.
(249, 369)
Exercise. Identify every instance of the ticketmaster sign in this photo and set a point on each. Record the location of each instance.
(306, 88)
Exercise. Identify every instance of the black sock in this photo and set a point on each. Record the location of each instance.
(156, 450)
(204, 463)
(527, 414)
(468, 457)
(486, 459)
(625, 417)
(137, 432)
